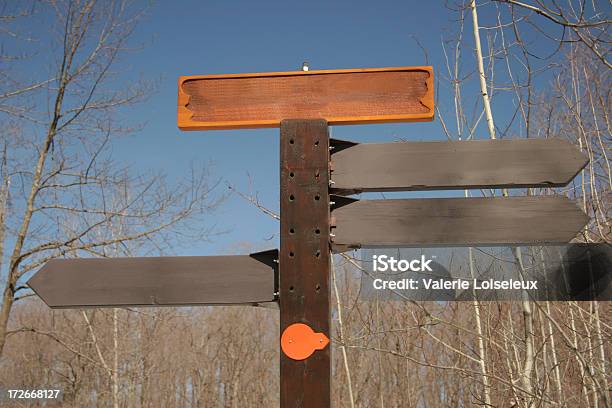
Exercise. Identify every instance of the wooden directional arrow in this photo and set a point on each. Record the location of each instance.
(454, 165)
(342, 97)
(456, 221)
(162, 281)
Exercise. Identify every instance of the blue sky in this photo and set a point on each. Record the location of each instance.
(208, 37)
(214, 37)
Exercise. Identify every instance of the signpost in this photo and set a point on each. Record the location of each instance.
(305, 257)
(457, 165)
(457, 222)
(341, 97)
(158, 281)
(316, 172)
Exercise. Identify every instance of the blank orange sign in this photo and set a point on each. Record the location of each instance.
(299, 341)
(342, 97)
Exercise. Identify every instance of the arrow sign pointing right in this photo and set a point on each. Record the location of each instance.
(407, 166)
(456, 221)
(159, 281)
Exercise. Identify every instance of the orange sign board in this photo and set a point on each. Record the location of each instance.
(342, 97)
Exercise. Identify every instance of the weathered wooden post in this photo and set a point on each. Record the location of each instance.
(304, 262)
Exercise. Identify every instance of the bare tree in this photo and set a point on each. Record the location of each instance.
(63, 191)
(577, 21)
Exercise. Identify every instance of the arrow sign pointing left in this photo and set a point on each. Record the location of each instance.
(159, 281)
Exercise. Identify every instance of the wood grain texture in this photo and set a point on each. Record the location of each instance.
(342, 97)
(161, 281)
(304, 258)
(456, 165)
(457, 222)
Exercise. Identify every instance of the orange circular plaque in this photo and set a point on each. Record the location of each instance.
(299, 341)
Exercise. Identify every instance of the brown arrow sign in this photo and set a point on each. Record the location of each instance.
(454, 165)
(456, 221)
(160, 281)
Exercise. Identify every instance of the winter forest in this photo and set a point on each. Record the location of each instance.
(64, 195)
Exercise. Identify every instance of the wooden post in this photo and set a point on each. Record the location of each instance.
(305, 257)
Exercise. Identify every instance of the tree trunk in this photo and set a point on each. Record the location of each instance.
(115, 373)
